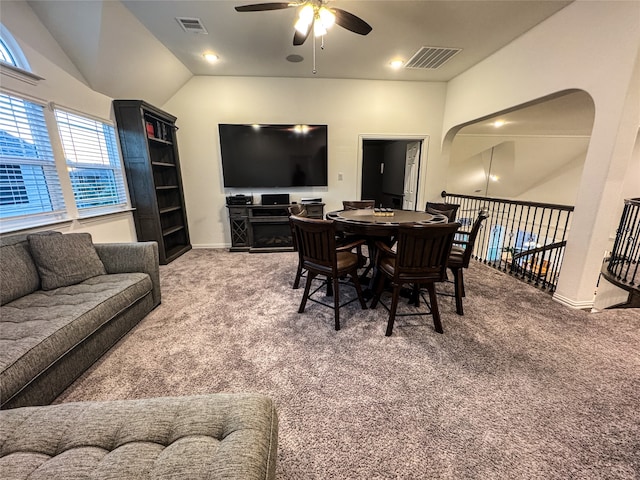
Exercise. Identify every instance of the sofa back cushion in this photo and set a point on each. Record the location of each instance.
(64, 260)
(18, 273)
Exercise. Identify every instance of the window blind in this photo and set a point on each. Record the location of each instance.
(93, 160)
(29, 181)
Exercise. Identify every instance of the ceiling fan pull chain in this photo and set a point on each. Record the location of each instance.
(322, 42)
(314, 57)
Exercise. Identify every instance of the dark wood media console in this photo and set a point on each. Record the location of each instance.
(264, 228)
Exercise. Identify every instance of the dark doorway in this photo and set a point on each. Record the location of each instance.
(390, 172)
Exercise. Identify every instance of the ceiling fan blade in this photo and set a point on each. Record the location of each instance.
(260, 7)
(300, 38)
(351, 22)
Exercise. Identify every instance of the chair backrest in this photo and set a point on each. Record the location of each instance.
(423, 251)
(471, 238)
(316, 243)
(297, 209)
(300, 211)
(358, 204)
(448, 209)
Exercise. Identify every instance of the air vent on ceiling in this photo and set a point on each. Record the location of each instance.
(431, 57)
(191, 25)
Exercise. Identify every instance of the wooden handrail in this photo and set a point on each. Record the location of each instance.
(568, 208)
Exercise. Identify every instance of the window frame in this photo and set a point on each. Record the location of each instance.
(66, 209)
(31, 121)
(107, 149)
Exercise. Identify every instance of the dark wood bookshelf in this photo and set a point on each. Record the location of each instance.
(149, 149)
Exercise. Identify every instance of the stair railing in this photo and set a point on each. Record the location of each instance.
(524, 239)
(625, 256)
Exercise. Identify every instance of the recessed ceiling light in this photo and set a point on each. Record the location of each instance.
(211, 57)
(396, 64)
(499, 123)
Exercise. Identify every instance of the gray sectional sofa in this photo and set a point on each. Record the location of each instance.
(213, 437)
(64, 303)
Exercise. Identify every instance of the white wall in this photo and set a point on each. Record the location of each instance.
(349, 108)
(63, 85)
(592, 46)
(529, 167)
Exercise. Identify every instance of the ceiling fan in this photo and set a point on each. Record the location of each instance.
(314, 15)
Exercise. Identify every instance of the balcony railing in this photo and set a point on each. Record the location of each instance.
(524, 239)
(622, 264)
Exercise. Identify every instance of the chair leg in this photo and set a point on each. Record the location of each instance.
(362, 260)
(378, 292)
(329, 287)
(392, 310)
(307, 287)
(296, 282)
(434, 307)
(415, 296)
(459, 288)
(356, 284)
(336, 299)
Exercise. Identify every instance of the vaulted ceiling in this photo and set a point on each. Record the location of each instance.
(138, 49)
(124, 47)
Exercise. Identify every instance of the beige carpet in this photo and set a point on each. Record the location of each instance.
(519, 388)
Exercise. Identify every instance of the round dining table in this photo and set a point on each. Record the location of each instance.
(367, 223)
(370, 225)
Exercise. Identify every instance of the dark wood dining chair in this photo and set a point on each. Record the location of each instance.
(298, 210)
(358, 204)
(461, 256)
(420, 259)
(448, 209)
(321, 256)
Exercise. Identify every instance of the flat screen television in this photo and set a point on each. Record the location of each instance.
(269, 156)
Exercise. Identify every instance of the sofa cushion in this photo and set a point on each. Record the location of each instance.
(220, 436)
(18, 273)
(64, 260)
(40, 327)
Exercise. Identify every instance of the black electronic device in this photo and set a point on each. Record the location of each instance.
(271, 156)
(275, 199)
(239, 199)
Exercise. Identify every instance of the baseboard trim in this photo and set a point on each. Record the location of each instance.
(211, 245)
(583, 305)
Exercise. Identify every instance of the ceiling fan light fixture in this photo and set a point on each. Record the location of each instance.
(302, 26)
(307, 13)
(305, 19)
(319, 29)
(327, 17)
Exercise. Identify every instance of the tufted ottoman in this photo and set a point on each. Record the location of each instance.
(220, 436)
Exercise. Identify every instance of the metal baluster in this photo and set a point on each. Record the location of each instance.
(512, 217)
(619, 234)
(635, 254)
(556, 255)
(495, 205)
(626, 258)
(503, 235)
(546, 241)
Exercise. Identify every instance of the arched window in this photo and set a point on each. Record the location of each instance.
(10, 51)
